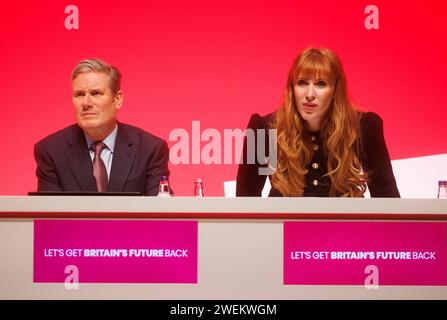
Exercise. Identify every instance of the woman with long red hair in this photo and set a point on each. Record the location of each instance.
(325, 147)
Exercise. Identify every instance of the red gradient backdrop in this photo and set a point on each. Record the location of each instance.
(217, 62)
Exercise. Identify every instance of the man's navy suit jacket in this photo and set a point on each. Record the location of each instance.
(64, 162)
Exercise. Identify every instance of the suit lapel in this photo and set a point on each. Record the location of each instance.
(79, 157)
(123, 158)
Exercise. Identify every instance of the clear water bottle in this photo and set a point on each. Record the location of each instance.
(198, 188)
(442, 189)
(163, 189)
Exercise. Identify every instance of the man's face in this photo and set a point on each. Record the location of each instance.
(94, 102)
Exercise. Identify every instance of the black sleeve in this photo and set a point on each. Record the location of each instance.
(47, 178)
(249, 183)
(375, 158)
(157, 167)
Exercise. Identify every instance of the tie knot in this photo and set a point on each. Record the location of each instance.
(98, 146)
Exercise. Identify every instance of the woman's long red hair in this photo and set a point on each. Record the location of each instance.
(339, 131)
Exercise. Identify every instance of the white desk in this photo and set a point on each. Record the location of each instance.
(240, 244)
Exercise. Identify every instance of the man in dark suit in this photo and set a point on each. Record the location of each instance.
(99, 153)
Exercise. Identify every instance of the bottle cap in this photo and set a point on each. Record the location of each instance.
(199, 181)
(442, 182)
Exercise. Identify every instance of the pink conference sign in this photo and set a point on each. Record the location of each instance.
(356, 253)
(115, 251)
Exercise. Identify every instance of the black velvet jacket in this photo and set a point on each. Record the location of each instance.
(373, 156)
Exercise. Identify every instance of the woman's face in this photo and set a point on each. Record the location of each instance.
(313, 98)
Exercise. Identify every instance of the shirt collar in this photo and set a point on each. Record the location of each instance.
(109, 141)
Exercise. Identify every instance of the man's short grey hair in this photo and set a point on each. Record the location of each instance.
(98, 65)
